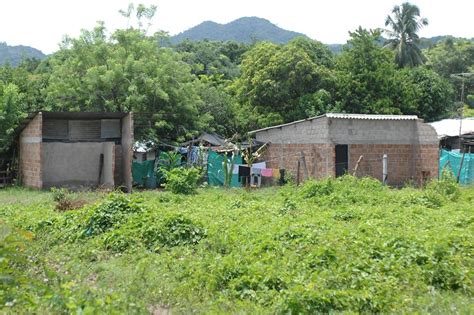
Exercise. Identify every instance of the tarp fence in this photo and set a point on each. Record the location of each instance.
(452, 161)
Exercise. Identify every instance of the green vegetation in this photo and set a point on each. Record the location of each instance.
(180, 90)
(329, 246)
(182, 180)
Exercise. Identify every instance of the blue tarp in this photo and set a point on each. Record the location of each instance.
(452, 161)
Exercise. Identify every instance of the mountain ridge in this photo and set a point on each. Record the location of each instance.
(244, 29)
(15, 54)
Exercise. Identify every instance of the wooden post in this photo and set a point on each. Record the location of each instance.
(298, 173)
(101, 167)
(354, 173)
(460, 167)
(305, 167)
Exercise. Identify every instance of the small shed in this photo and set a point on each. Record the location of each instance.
(76, 150)
(333, 144)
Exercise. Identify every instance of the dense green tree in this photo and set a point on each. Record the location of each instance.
(405, 23)
(425, 93)
(275, 79)
(126, 72)
(452, 57)
(213, 58)
(366, 76)
(10, 113)
(217, 106)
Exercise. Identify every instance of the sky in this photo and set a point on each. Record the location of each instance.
(43, 23)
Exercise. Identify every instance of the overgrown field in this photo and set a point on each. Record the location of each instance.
(330, 246)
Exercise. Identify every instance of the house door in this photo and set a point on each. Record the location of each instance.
(342, 159)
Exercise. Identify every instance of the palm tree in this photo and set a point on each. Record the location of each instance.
(405, 22)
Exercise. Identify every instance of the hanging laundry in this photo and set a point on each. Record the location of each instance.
(267, 172)
(244, 172)
(276, 173)
(255, 171)
(255, 177)
(259, 165)
(235, 170)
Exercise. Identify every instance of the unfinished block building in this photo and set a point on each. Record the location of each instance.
(332, 144)
(76, 150)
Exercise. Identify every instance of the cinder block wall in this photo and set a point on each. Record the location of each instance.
(310, 137)
(319, 158)
(426, 153)
(30, 154)
(411, 147)
(400, 162)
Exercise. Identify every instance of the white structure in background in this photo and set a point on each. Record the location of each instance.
(450, 127)
(144, 151)
(448, 131)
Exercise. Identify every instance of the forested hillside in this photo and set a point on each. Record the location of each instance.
(230, 87)
(243, 30)
(15, 54)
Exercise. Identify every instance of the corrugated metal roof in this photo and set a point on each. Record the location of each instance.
(450, 127)
(344, 116)
(372, 117)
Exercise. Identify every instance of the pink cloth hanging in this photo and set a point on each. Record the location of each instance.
(267, 172)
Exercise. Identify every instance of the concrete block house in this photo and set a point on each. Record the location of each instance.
(76, 150)
(333, 143)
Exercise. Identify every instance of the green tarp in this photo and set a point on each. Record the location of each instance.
(143, 173)
(452, 161)
(215, 171)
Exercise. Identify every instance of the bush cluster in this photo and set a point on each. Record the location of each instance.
(182, 180)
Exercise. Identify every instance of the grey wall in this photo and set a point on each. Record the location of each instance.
(351, 131)
(365, 131)
(305, 132)
(74, 164)
(426, 133)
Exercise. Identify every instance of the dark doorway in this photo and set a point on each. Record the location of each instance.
(342, 159)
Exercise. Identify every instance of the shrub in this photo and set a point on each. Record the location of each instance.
(312, 188)
(182, 180)
(176, 230)
(64, 200)
(14, 284)
(446, 186)
(114, 210)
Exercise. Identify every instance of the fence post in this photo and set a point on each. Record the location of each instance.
(460, 167)
(298, 173)
(384, 169)
(354, 173)
(305, 168)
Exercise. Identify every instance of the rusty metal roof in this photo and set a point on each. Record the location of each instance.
(344, 116)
